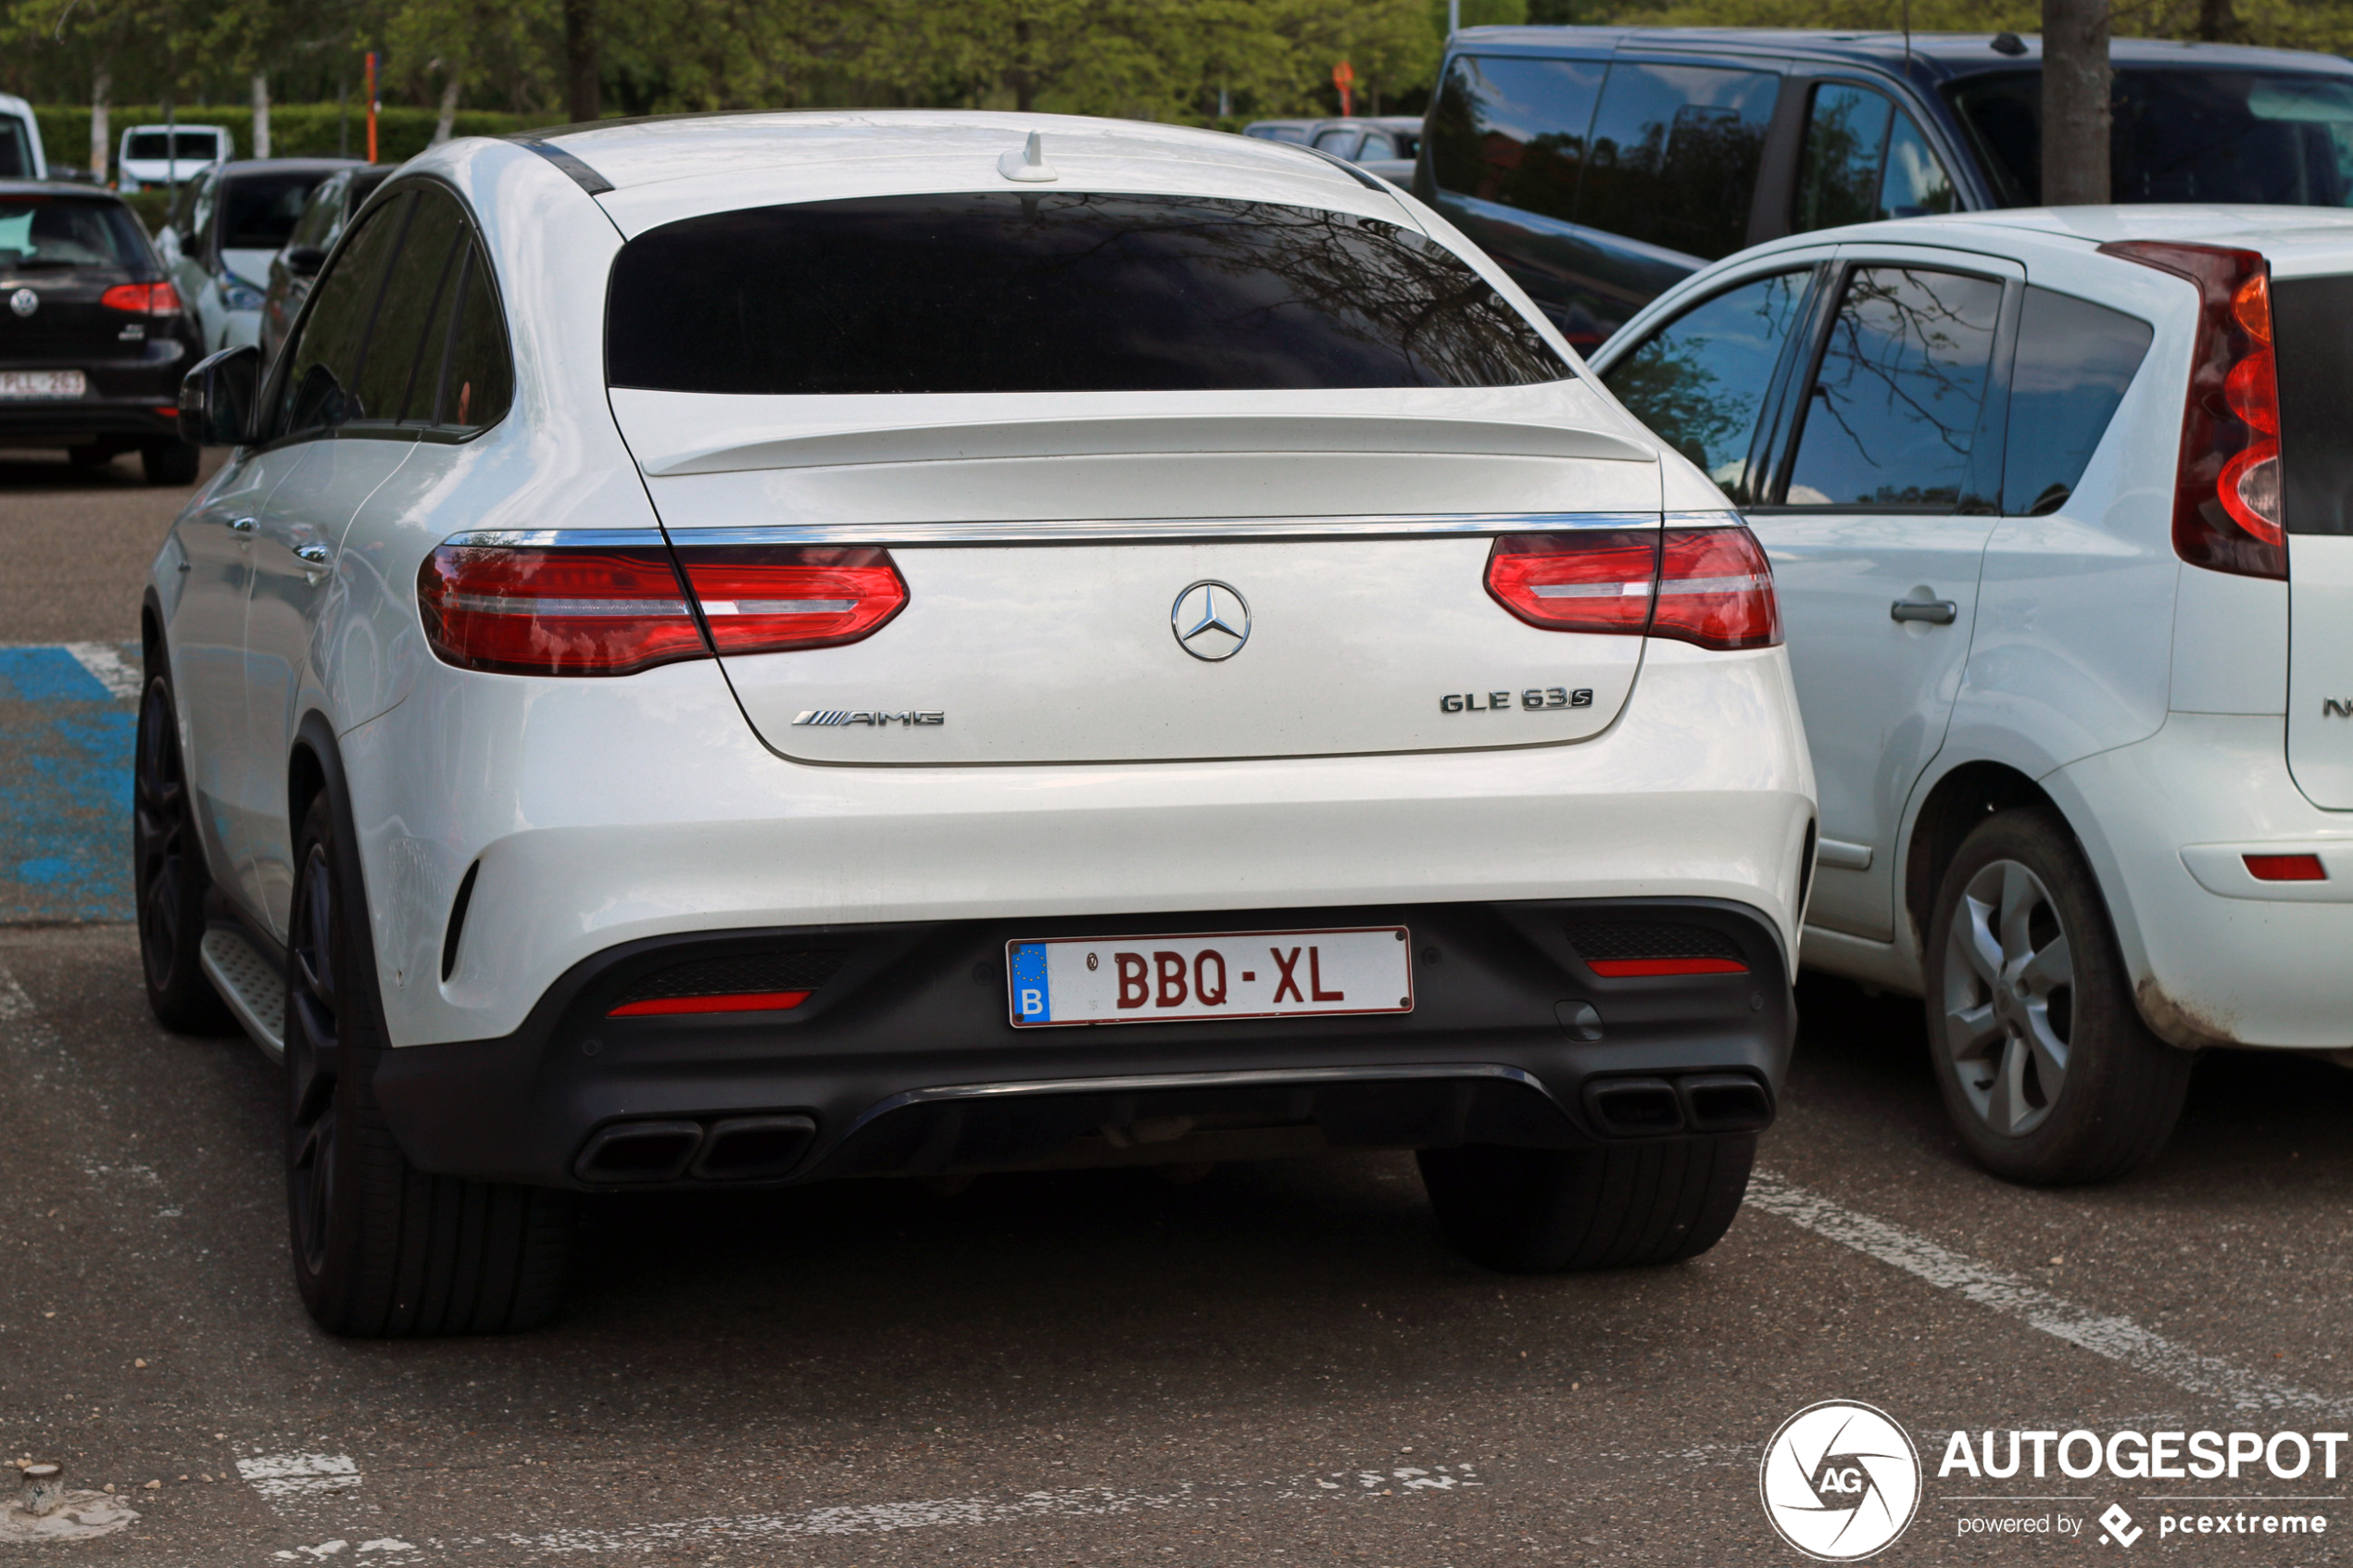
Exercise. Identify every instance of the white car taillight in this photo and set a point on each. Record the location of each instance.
(1711, 587)
(614, 611)
(2227, 512)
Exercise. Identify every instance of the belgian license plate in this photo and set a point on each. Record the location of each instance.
(1220, 975)
(41, 384)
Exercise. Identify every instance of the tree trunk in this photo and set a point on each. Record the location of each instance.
(448, 121)
(101, 100)
(1025, 80)
(2075, 107)
(586, 99)
(260, 114)
(2218, 21)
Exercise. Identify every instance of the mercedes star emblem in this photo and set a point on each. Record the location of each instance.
(24, 302)
(1211, 620)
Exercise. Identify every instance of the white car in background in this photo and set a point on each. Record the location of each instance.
(153, 157)
(781, 647)
(226, 229)
(2064, 548)
(21, 156)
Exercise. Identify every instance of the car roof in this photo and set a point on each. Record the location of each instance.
(681, 165)
(2296, 240)
(287, 165)
(182, 125)
(57, 188)
(1942, 54)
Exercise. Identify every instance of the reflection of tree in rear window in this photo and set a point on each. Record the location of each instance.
(2186, 135)
(1054, 292)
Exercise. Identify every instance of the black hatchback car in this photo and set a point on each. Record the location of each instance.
(93, 338)
(1601, 164)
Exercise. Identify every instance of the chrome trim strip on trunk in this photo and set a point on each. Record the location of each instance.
(1089, 531)
(1253, 1077)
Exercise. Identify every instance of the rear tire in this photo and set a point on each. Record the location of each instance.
(168, 876)
(1548, 1210)
(170, 462)
(382, 1249)
(92, 456)
(2046, 1070)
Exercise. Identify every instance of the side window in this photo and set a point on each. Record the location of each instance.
(14, 164)
(1864, 159)
(322, 363)
(1915, 184)
(1675, 153)
(478, 377)
(1701, 381)
(319, 212)
(2074, 360)
(416, 300)
(1514, 130)
(1892, 417)
(1340, 142)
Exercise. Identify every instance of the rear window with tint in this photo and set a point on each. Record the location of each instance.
(2074, 360)
(201, 146)
(54, 234)
(1057, 292)
(2312, 322)
(260, 210)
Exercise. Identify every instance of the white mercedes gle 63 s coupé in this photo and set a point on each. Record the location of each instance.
(776, 647)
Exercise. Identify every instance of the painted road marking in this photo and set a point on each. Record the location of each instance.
(2104, 1334)
(298, 1475)
(68, 723)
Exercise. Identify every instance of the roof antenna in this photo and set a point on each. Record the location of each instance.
(1028, 165)
(1907, 37)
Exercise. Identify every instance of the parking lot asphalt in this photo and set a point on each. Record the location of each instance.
(1277, 1363)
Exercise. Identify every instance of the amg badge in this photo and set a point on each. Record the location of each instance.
(878, 718)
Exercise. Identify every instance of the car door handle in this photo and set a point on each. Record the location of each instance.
(1936, 612)
(315, 554)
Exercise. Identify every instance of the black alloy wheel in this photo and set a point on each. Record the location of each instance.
(2046, 1069)
(380, 1249)
(168, 877)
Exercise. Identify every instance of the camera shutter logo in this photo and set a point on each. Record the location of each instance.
(1840, 1481)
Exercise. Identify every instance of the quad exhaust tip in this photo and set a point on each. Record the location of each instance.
(738, 1149)
(1695, 1102)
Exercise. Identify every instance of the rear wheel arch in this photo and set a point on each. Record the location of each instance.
(1952, 808)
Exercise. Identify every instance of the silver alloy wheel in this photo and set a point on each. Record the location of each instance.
(2010, 999)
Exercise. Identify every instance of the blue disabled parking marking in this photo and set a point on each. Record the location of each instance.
(68, 721)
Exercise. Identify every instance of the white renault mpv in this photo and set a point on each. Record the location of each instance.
(2060, 509)
(769, 648)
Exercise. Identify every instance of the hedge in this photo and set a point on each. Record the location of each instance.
(295, 130)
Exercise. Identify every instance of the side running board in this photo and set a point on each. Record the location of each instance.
(250, 983)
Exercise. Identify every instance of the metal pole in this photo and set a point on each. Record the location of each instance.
(1454, 16)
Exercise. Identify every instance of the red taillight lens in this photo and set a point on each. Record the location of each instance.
(1715, 589)
(591, 610)
(141, 299)
(762, 599)
(1598, 582)
(562, 611)
(2285, 868)
(1711, 587)
(2227, 501)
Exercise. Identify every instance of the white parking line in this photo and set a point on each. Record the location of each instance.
(2118, 1338)
(296, 1475)
(108, 667)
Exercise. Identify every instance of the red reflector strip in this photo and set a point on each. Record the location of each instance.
(2285, 868)
(1623, 968)
(736, 1001)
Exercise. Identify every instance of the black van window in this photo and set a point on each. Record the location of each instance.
(2185, 134)
(1892, 417)
(322, 363)
(2074, 360)
(1838, 167)
(2312, 322)
(1514, 130)
(1674, 157)
(1701, 381)
(1055, 291)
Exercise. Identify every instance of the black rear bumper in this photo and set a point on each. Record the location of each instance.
(116, 420)
(903, 1061)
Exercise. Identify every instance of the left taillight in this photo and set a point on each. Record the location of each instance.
(143, 300)
(597, 610)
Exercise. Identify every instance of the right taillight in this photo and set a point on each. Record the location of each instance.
(2227, 498)
(1711, 587)
(527, 610)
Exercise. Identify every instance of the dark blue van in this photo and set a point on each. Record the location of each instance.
(1599, 165)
